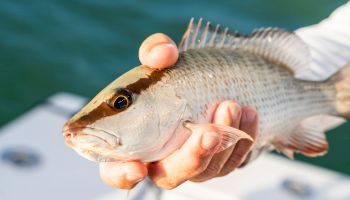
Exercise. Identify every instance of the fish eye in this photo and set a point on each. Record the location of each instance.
(121, 100)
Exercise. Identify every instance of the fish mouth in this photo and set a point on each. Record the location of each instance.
(90, 139)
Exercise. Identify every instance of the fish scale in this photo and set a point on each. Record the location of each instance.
(204, 76)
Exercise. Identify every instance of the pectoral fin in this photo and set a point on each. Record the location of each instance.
(230, 135)
(308, 137)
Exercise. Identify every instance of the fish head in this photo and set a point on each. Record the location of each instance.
(133, 118)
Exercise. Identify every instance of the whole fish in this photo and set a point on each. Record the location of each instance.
(142, 115)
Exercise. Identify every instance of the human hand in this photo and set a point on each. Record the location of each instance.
(197, 159)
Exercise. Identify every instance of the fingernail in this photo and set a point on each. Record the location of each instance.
(210, 140)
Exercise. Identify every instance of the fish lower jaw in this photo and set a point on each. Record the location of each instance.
(95, 156)
(91, 137)
(90, 143)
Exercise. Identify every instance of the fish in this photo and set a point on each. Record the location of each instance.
(146, 114)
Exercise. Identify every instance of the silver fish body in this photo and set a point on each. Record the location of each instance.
(140, 115)
(206, 76)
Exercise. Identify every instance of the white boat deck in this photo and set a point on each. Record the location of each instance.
(35, 164)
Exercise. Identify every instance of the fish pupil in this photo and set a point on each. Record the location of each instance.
(121, 103)
(122, 99)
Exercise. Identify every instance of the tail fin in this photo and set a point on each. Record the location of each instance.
(343, 91)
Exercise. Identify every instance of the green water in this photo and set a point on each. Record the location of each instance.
(79, 46)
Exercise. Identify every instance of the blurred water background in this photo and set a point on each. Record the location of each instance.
(80, 46)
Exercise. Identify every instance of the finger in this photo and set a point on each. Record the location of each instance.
(250, 122)
(191, 159)
(250, 125)
(228, 113)
(158, 51)
(122, 175)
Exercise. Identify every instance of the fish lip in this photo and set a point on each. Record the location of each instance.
(70, 133)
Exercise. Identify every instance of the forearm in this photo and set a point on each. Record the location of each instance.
(329, 42)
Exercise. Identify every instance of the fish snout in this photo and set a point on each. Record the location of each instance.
(71, 127)
(89, 138)
(69, 131)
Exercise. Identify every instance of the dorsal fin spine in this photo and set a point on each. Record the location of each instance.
(204, 35)
(224, 34)
(184, 40)
(212, 39)
(276, 45)
(195, 34)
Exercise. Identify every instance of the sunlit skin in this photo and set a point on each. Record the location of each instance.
(158, 51)
(196, 160)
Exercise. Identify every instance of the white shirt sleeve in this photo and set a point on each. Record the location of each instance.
(329, 42)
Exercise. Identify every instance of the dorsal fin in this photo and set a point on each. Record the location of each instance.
(273, 44)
